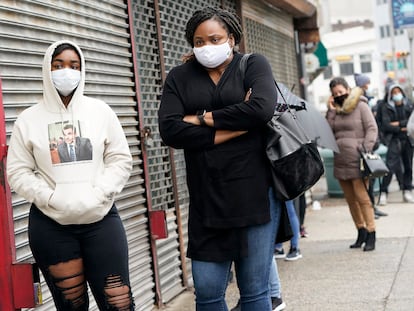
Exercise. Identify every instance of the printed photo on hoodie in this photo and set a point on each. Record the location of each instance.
(66, 143)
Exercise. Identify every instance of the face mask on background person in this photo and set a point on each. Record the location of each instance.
(369, 91)
(339, 100)
(66, 80)
(212, 56)
(397, 97)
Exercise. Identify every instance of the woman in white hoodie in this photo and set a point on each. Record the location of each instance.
(69, 157)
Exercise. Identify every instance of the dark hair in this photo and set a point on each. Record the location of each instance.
(230, 21)
(69, 126)
(338, 81)
(62, 47)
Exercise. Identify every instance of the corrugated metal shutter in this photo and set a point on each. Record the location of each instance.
(166, 173)
(269, 31)
(27, 27)
(174, 16)
(159, 169)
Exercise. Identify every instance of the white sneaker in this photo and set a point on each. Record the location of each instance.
(383, 199)
(407, 196)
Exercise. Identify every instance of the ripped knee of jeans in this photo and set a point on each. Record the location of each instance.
(118, 294)
(73, 290)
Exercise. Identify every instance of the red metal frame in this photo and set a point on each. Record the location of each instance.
(16, 279)
(7, 249)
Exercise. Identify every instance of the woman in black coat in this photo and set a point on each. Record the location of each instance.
(219, 120)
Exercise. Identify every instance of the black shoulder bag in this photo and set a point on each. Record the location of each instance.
(296, 164)
(372, 165)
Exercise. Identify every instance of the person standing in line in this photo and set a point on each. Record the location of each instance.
(399, 159)
(301, 211)
(364, 82)
(376, 110)
(355, 129)
(294, 251)
(219, 119)
(75, 233)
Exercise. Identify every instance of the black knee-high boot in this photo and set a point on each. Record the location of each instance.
(370, 242)
(362, 236)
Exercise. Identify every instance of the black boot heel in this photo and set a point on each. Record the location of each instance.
(370, 242)
(362, 236)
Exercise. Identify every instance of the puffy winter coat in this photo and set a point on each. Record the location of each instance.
(354, 127)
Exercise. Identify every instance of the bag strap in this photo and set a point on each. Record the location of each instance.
(367, 189)
(364, 149)
(243, 64)
(243, 67)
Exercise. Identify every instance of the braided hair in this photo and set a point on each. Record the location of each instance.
(230, 21)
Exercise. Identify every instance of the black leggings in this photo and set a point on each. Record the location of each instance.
(72, 256)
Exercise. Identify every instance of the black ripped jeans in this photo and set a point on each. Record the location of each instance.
(102, 248)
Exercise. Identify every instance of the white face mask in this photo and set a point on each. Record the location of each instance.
(369, 91)
(397, 97)
(212, 56)
(66, 80)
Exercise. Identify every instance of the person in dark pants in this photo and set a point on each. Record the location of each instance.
(399, 159)
(364, 82)
(301, 205)
(75, 232)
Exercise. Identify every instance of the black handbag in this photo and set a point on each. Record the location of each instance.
(295, 160)
(372, 165)
(296, 164)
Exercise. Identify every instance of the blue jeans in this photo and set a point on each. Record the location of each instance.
(294, 223)
(274, 281)
(252, 272)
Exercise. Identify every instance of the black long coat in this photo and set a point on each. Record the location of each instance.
(228, 183)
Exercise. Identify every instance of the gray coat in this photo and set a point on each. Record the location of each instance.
(354, 126)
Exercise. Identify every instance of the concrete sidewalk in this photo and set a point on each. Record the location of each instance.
(331, 276)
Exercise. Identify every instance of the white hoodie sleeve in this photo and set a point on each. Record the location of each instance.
(22, 172)
(117, 159)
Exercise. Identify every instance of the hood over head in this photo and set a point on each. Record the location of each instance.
(389, 96)
(51, 97)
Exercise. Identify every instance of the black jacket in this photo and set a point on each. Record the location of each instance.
(389, 114)
(228, 183)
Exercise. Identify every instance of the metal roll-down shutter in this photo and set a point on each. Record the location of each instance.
(100, 28)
